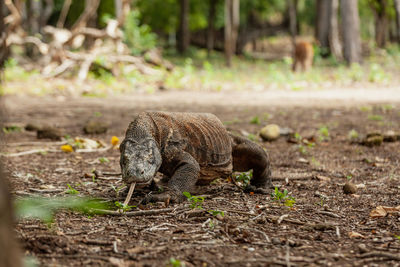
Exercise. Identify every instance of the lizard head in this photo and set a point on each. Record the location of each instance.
(140, 160)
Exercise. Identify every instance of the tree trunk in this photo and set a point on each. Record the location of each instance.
(34, 10)
(323, 24)
(397, 8)
(3, 37)
(351, 31)
(334, 42)
(292, 23)
(46, 13)
(231, 28)
(381, 22)
(210, 29)
(183, 33)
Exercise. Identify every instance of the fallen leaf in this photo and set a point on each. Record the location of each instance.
(355, 235)
(114, 140)
(382, 211)
(323, 178)
(251, 193)
(67, 148)
(378, 212)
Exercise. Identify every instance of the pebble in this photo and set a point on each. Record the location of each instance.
(270, 132)
(349, 188)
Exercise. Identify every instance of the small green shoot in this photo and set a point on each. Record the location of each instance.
(323, 133)
(303, 150)
(117, 189)
(175, 263)
(244, 178)
(71, 190)
(12, 129)
(365, 108)
(252, 137)
(195, 201)
(103, 160)
(349, 177)
(315, 162)
(123, 207)
(375, 117)
(397, 236)
(284, 197)
(298, 137)
(353, 134)
(255, 120)
(216, 213)
(97, 114)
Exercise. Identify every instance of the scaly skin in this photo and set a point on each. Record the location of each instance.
(194, 148)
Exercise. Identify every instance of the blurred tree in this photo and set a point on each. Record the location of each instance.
(397, 8)
(292, 5)
(323, 25)
(3, 36)
(379, 9)
(211, 25)
(334, 42)
(183, 32)
(232, 21)
(351, 31)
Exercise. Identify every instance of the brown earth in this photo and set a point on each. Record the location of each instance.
(320, 229)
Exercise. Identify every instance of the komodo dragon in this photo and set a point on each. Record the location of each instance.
(188, 148)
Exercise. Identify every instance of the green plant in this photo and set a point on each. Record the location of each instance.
(252, 137)
(216, 213)
(397, 236)
(255, 120)
(45, 208)
(373, 117)
(117, 189)
(323, 133)
(244, 177)
(195, 201)
(284, 197)
(175, 263)
(71, 190)
(315, 162)
(303, 149)
(123, 207)
(11, 129)
(349, 177)
(353, 134)
(138, 37)
(103, 160)
(97, 114)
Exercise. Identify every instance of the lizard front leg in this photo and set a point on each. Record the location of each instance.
(248, 155)
(184, 177)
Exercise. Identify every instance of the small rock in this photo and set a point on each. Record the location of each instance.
(48, 132)
(349, 188)
(95, 127)
(374, 139)
(270, 132)
(32, 127)
(362, 248)
(390, 136)
(276, 241)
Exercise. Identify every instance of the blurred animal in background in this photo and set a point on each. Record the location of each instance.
(303, 56)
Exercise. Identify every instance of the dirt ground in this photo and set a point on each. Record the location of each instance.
(324, 226)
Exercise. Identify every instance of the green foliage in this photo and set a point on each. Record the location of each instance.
(104, 160)
(45, 208)
(139, 38)
(71, 190)
(216, 213)
(244, 177)
(373, 117)
(397, 236)
(283, 197)
(117, 189)
(255, 120)
(11, 129)
(353, 134)
(123, 207)
(323, 133)
(349, 177)
(195, 201)
(377, 74)
(252, 137)
(175, 263)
